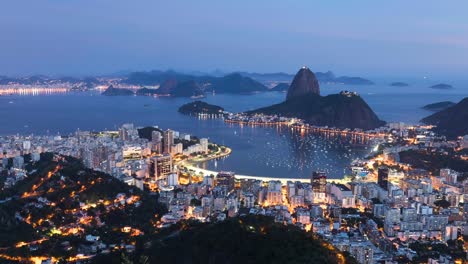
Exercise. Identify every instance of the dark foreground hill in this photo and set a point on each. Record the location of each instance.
(451, 122)
(250, 239)
(336, 110)
(61, 202)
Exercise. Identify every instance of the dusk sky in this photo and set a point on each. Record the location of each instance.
(364, 38)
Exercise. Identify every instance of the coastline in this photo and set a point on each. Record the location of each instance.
(197, 170)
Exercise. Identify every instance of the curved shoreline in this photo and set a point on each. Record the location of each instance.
(250, 177)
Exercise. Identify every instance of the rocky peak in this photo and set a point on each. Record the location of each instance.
(304, 83)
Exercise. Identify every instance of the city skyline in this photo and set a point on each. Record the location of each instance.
(366, 39)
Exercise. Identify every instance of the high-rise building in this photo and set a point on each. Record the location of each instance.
(319, 182)
(156, 141)
(225, 179)
(127, 132)
(204, 144)
(168, 141)
(160, 167)
(382, 177)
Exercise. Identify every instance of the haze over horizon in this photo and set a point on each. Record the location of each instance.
(397, 38)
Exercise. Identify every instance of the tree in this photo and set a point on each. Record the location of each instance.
(442, 203)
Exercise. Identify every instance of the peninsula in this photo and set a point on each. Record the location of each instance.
(303, 100)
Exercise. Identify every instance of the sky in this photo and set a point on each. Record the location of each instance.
(363, 37)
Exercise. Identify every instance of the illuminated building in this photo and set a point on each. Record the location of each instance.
(168, 141)
(160, 167)
(173, 179)
(319, 182)
(225, 179)
(156, 141)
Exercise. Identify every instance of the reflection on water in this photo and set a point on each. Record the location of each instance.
(263, 151)
(283, 152)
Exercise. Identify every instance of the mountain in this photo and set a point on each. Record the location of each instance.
(441, 86)
(236, 83)
(303, 83)
(280, 87)
(111, 91)
(343, 110)
(452, 121)
(265, 77)
(336, 110)
(353, 80)
(436, 107)
(186, 89)
(185, 85)
(323, 77)
(199, 107)
(328, 76)
(399, 84)
(175, 88)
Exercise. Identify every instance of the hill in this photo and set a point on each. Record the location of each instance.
(111, 91)
(250, 239)
(344, 110)
(452, 121)
(438, 106)
(199, 107)
(334, 110)
(441, 86)
(323, 77)
(280, 87)
(353, 80)
(236, 83)
(63, 202)
(146, 132)
(186, 89)
(185, 85)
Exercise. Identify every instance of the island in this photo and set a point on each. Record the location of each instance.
(452, 121)
(353, 80)
(303, 100)
(442, 86)
(199, 107)
(399, 84)
(438, 106)
(111, 91)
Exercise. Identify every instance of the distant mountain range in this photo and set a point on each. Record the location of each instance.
(323, 77)
(452, 121)
(179, 84)
(303, 100)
